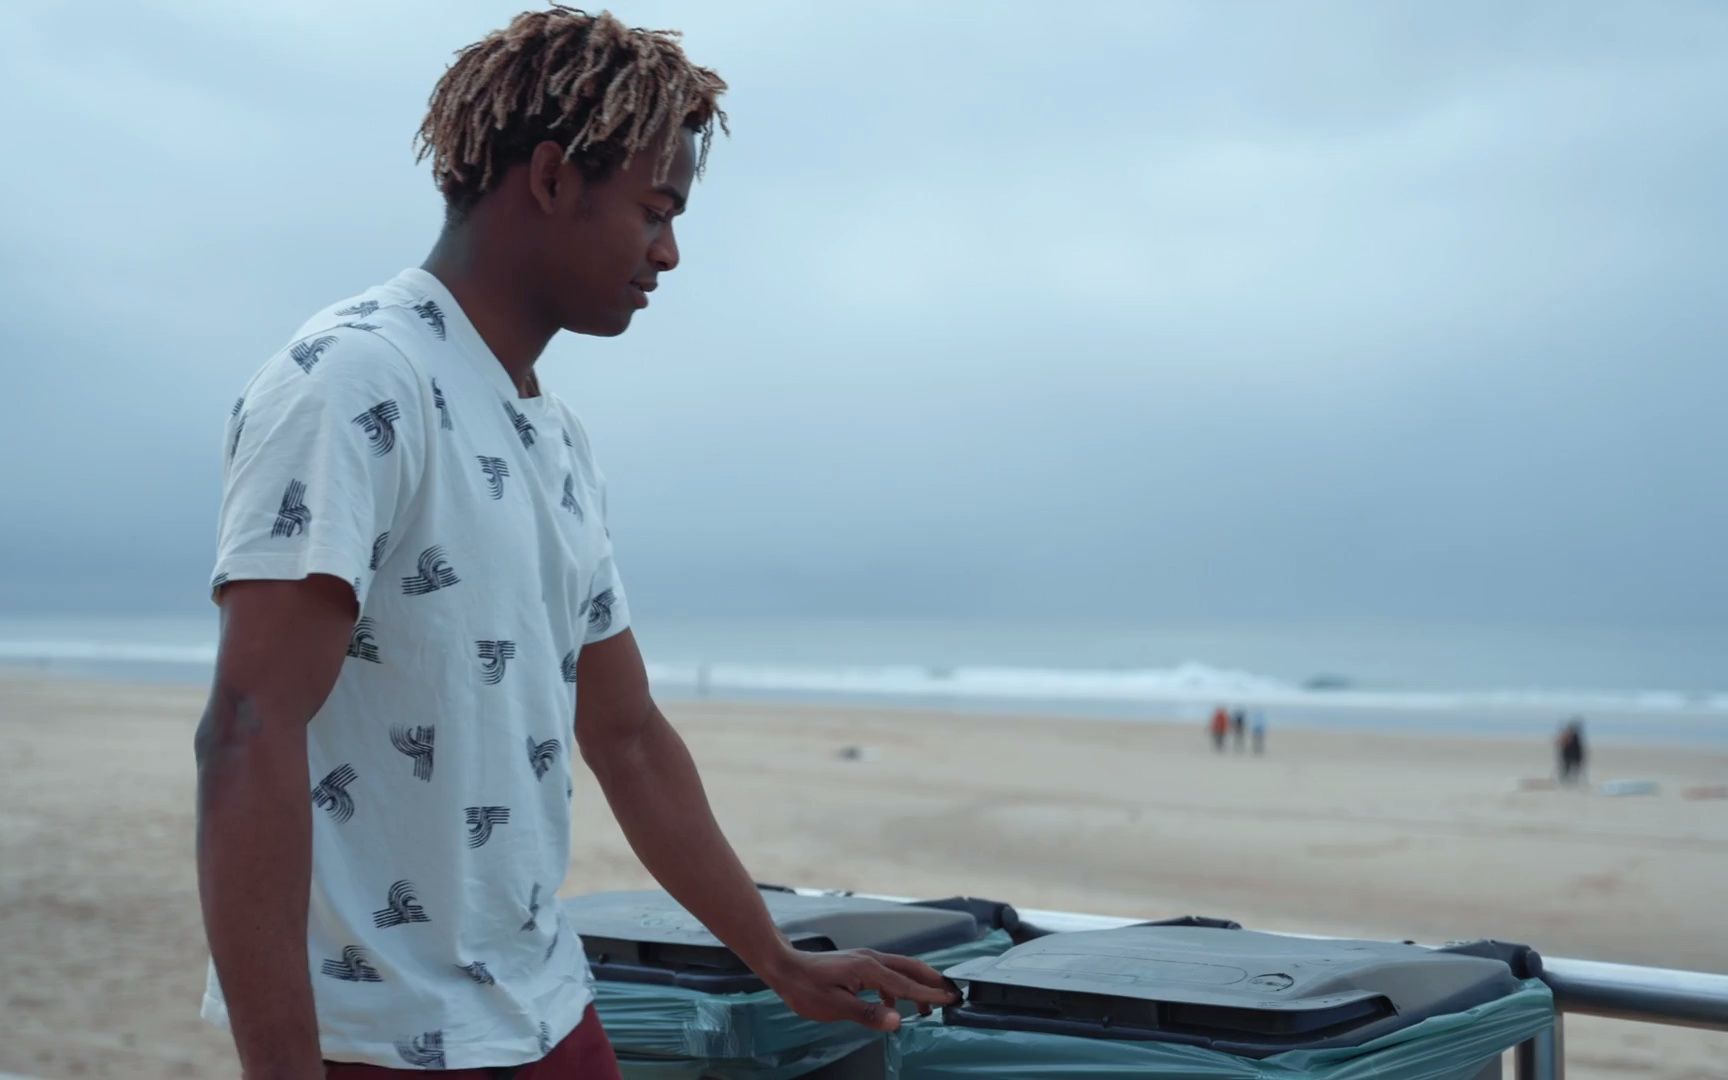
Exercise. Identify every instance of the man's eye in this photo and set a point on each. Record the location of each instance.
(655, 217)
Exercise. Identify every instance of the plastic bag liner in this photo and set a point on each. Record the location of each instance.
(671, 1033)
(1455, 1046)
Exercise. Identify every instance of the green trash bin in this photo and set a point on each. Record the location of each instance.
(1213, 1003)
(678, 1005)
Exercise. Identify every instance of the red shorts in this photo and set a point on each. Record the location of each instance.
(585, 1054)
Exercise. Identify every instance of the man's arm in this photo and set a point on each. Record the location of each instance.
(282, 646)
(651, 783)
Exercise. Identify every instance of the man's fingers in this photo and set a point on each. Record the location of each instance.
(830, 987)
(920, 982)
(916, 970)
(872, 1015)
(886, 980)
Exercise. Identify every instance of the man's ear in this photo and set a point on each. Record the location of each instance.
(550, 183)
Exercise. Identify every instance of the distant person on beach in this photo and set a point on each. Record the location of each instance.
(1220, 728)
(1570, 750)
(1257, 729)
(1239, 728)
(417, 585)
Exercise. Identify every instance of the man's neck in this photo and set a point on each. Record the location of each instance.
(487, 286)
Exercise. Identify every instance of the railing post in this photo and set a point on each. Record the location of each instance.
(1543, 1056)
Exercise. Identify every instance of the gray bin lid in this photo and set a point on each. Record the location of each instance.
(1237, 991)
(648, 937)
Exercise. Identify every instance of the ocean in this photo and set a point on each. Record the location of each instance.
(1644, 683)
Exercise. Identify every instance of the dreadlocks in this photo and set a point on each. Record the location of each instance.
(603, 90)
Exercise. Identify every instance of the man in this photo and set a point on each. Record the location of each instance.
(1570, 747)
(417, 585)
(1220, 728)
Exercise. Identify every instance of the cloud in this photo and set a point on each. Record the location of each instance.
(1128, 310)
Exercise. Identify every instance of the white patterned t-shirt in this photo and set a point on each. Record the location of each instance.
(386, 446)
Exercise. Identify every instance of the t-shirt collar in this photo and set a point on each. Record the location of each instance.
(461, 333)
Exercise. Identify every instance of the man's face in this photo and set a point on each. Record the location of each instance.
(605, 244)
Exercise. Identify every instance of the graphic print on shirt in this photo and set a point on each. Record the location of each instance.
(600, 612)
(239, 425)
(566, 433)
(495, 469)
(441, 405)
(306, 353)
(533, 922)
(569, 502)
(542, 755)
(403, 908)
(378, 549)
(417, 743)
(567, 667)
(352, 967)
(379, 424)
(361, 310)
(434, 316)
(494, 657)
(218, 581)
(481, 819)
(435, 573)
(426, 1051)
(477, 971)
(525, 430)
(332, 793)
(294, 515)
(545, 1039)
(361, 325)
(360, 643)
(557, 936)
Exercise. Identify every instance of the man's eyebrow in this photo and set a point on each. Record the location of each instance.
(671, 193)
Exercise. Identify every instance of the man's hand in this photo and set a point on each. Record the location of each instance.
(825, 986)
(650, 780)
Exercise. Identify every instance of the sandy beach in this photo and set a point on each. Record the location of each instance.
(1399, 836)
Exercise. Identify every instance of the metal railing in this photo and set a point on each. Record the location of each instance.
(1641, 995)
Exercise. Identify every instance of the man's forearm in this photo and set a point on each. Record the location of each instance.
(654, 790)
(254, 872)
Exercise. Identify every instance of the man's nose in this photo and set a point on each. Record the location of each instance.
(664, 253)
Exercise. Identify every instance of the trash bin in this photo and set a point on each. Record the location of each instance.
(1212, 1003)
(678, 1005)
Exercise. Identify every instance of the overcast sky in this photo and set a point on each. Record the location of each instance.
(1143, 309)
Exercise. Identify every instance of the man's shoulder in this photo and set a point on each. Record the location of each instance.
(380, 318)
(331, 353)
(336, 362)
(390, 323)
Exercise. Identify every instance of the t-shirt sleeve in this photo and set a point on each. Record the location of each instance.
(607, 610)
(324, 453)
